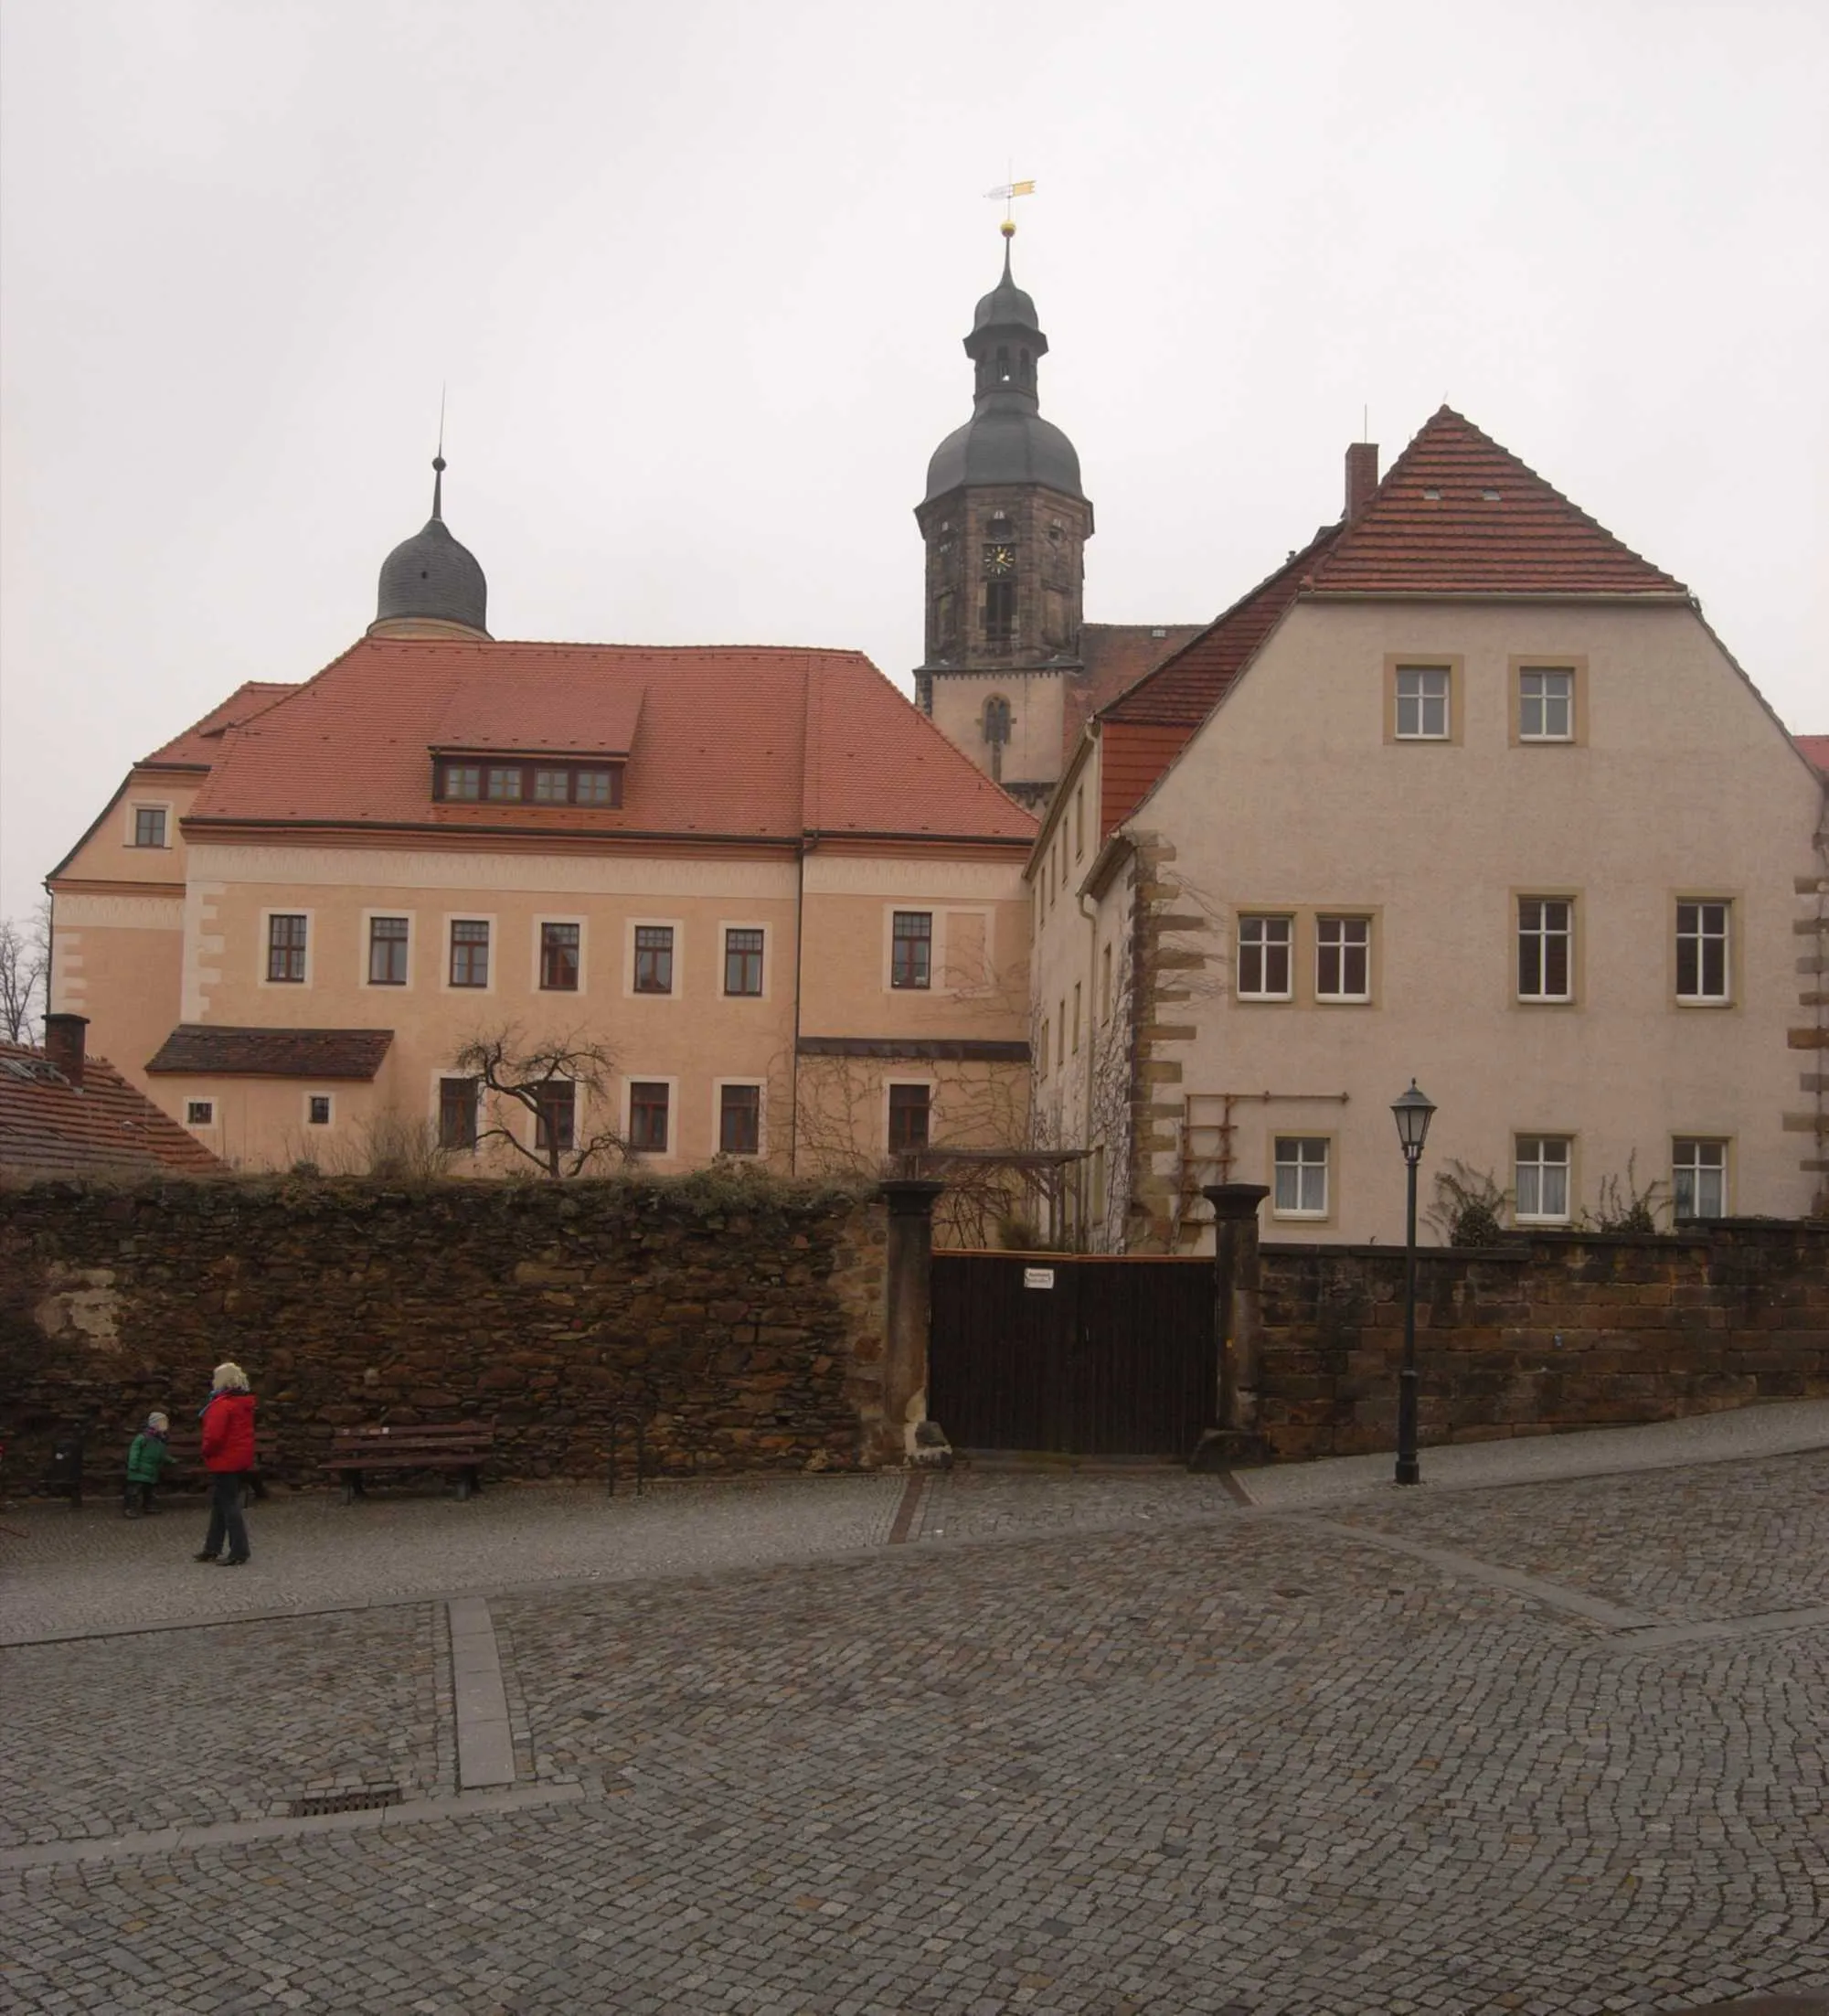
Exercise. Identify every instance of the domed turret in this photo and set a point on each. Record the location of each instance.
(431, 585)
(1006, 439)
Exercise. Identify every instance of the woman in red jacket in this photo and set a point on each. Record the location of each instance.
(228, 1455)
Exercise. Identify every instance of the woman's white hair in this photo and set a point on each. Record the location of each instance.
(228, 1379)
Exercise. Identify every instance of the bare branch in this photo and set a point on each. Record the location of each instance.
(552, 1079)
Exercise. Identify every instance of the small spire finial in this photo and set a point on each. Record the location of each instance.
(438, 464)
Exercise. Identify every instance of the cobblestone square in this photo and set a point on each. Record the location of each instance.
(1089, 1743)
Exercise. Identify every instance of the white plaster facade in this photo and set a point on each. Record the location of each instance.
(1297, 801)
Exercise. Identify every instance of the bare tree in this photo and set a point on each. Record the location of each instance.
(558, 1082)
(25, 974)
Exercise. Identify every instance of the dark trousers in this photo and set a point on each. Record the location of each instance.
(139, 1497)
(224, 1514)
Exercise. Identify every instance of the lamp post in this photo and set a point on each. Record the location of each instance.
(1412, 1113)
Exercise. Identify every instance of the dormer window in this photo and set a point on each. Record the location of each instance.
(595, 784)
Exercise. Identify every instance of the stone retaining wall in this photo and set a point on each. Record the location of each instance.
(746, 1319)
(1551, 1331)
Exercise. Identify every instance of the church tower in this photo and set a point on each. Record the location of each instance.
(1005, 524)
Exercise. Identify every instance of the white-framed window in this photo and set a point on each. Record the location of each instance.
(744, 970)
(1264, 961)
(559, 955)
(199, 1112)
(739, 1116)
(556, 1116)
(1540, 1180)
(1422, 703)
(1546, 704)
(389, 949)
(648, 1116)
(320, 1106)
(656, 946)
(1546, 948)
(1704, 974)
(1342, 959)
(1698, 1179)
(911, 949)
(288, 947)
(151, 826)
(1300, 1175)
(467, 955)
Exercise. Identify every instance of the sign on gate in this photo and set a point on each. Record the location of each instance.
(1038, 1277)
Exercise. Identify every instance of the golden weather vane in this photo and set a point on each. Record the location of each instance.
(1006, 194)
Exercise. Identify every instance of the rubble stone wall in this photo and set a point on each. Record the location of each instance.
(1551, 1331)
(745, 1321)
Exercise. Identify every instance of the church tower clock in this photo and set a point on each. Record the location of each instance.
(1005, 524)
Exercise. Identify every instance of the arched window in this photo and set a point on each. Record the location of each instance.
(1003, 365)
(997, 721)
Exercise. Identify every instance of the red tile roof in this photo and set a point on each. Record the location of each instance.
(202, 1050)
(567, 713)
(1113, 657)
(1182, 692)
(201, 742)
(730, 742)
(51, 1127)
(1460, 515)
(1815, 750)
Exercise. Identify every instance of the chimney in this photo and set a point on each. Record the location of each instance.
(63, 1044)
(1362, 478)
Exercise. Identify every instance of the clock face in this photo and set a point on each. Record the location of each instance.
(1000, 559)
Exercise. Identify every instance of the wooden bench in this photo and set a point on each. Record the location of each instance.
(459, 1446)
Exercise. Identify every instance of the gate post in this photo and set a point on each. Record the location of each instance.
(1236, 1321)
(907, 1305)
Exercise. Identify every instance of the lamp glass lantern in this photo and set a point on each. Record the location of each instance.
(1412, 1112)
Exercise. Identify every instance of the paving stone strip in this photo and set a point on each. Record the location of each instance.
(486, 1748)
(1553, 1595)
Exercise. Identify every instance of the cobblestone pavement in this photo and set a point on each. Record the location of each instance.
(1172, 1754)
(67, 1573)
(233, 1721)
(1720, 1540)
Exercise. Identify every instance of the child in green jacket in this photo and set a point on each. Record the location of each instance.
(146, 1458)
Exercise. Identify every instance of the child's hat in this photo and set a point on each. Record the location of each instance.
(158, 1421)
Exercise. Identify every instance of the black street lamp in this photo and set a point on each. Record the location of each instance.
(1412, 1113)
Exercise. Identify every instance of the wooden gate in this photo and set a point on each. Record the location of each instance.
(1094, 1355)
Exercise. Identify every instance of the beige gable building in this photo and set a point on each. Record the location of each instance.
(1466, 793)
(785, 911)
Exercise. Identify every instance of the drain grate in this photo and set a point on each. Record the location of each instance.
(359, 1801)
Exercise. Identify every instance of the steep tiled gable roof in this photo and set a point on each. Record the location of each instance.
(1815, 750)
(204, 1050)
(730, 742)
(1460, 515)
(201, 742)
(51, 1127)
(1112, 658)
(1182, 692)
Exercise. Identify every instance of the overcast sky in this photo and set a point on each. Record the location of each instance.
(696, 274)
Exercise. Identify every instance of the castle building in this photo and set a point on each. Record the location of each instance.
(1465, 792)
(1011, 670)
(766, 911)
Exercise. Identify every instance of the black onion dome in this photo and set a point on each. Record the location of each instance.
(1006, 447)
(432, 575)
(1007, 441)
